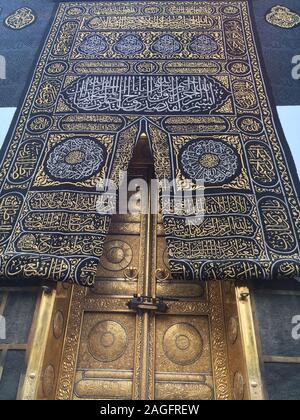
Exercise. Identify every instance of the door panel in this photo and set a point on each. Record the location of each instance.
(106, 356)
(183, 358)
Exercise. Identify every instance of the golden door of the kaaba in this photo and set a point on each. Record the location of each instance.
(182, 341)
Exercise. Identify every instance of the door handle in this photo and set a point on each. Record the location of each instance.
(162, 274)
(131, 273)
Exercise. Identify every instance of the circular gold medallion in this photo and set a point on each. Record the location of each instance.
(183, 344)
(117, 255)
(107, 341)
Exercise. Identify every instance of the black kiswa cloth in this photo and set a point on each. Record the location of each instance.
(190, 75)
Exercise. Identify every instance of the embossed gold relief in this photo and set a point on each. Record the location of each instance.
(56, 68)
(26, 160)
(117, 255)
(75, 11)
(261, 163)
(250, 125)
(230, 10)
(273, 213)
(183, 344)
(234, 38)
(192, 67)
(95, 123)
(283, 17)
(186, 125)
(49, 350)
(238, 68)
(107, 341)
(21, 18)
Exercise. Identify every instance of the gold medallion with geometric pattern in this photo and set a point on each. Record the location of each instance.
(107, 341)
(183, 344)
(117, 255)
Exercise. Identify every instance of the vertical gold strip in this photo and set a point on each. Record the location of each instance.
(222, 386)
(68, 364)
(147, 375)
(28, 390)
(249, 343)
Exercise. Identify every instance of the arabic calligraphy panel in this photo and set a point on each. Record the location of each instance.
(65, 38)
(146, 94)
(278, 228)
(261, 164)
(26, 160)
(26, 266)
(10, 205)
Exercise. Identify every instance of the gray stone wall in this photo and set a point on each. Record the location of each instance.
(278, 324)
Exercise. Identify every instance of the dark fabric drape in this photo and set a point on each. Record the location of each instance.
(189, 75)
